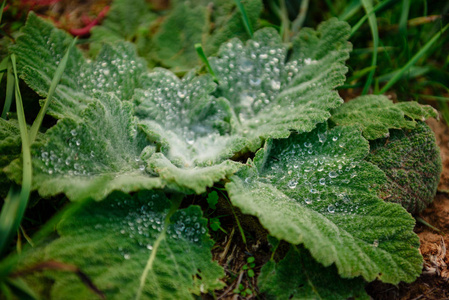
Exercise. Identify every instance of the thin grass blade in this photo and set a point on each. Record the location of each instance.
(368, 6)
(1, 10)
(203, 57)
(17, 200)
(54, 83)
(413, 60)
(9, 91)
(245, 19)
(366, 16)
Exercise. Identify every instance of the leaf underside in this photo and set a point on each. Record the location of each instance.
(315, 189)
(299, 276)
(411, 160)
(113, 241)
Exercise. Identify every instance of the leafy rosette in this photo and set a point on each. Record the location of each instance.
(316, 189)
(194, 129)
(272, 95)
(139, 247)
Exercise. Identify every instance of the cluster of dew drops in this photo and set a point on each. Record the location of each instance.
(115, 76)
(76, 160)
(169, 101)
(145, 224)
(324, 175)
(251, 77)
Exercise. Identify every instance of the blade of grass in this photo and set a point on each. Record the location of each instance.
(350, 10)
(366, 16)
(3, 67)
(245, 19)
(404, 17)
(9, 91)
(368, 6)
(17, 199)
(202, 56)
(413, 60)
(54, 83)
(299, 21)
(1, 10)
(285, 22)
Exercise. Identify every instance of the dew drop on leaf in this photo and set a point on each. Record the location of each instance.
(292, 184)
(331, 209)
(333, 174)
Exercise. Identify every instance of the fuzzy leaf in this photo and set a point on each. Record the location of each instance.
(137, 247)
(41, 46)
(174, 43)
(193, 127)
(271, 96)
(123, 22)
(10, 149)
(229, 24)
(411, 160)
(299, 276)
(376, 114)
(95, 156)
(315, 189)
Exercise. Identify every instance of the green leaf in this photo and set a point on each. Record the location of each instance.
(174, 43)
(10, 149)
(193, 128)
(212, 199)
(376, 114)
(116, 69)
(124, 20)
(299, 276)
(316, 189)
(92, 157)
(229, 23)
(411, 160)
(271, 96)
(137, 247)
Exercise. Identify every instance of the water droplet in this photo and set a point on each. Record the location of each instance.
(246, 65)
(308, 201)
(255, 81)
(292, 184)
(78, 143)
(333, 174)
(142, 167)
(331, 209)
(73, 132)
(313, 191)
(307, 144)
(321, 137)
(127, 256)
(335, 138)
(353, 175)
(182, 94)
(322, 181)
(149, 247)
(275, 85)
(376, 243)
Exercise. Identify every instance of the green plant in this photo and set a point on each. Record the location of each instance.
(131, 147)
